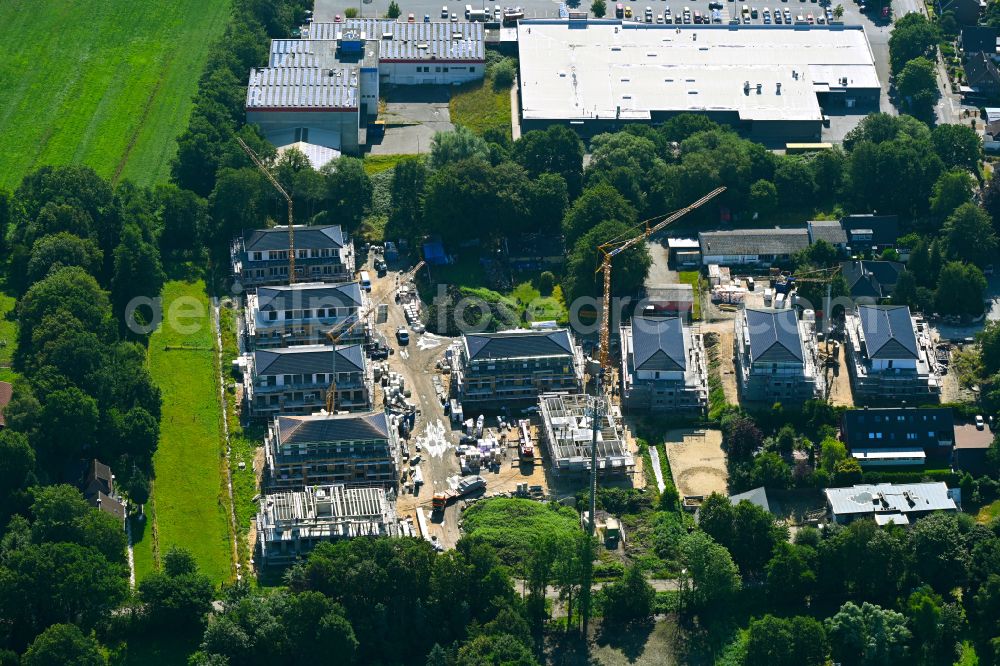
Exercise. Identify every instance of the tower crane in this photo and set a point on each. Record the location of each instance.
(281, 190)
(335, 334)
(613, 248)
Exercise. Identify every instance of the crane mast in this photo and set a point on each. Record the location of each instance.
(288, 199)
(613, 248)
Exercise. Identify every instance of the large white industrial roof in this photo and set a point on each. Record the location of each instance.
(609, 68)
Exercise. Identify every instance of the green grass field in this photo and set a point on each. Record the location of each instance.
(479, 107)
(107, 83)
(188, 497)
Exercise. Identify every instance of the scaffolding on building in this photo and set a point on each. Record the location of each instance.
(568, 431)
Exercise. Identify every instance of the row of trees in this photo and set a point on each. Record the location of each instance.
(80, 253)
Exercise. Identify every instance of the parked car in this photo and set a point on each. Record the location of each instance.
(402, 335)
(444, 11)
(980, 422)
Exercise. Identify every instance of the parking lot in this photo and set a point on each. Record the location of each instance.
(748, 12)
(326, 10)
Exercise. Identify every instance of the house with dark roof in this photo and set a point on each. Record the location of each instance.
(97, 484)
(871, 281)
(295, 380)
(762, 247)
(831, 231)
(866, 231)
(966, 12)
(890, 356)
(776, 357)
(979, 39)
(354, 449)
(511, 367)
(898, 435)
(302, 313)
(322, 254)
(664, 368)
(982, 75)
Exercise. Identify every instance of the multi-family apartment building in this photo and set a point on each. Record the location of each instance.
(496, 369)
(322, 254)
(776, 357)
(663, 366)
(291, 523)
(890, 356)
(295, 380)
(354, 449)
(302, 313)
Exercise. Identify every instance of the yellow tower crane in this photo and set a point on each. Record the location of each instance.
(291, 224)
(613, 248)
(335, 334)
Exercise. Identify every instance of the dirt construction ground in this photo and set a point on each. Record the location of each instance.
(697, 462)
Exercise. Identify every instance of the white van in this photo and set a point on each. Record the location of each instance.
(468, 12)
(366, 281)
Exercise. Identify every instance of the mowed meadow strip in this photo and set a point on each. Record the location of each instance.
(189, 503)
(105, 83)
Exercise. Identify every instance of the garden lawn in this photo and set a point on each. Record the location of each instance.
(107, 83)
(693, 278)
(479, 107)
(188, 493)
(514, 526)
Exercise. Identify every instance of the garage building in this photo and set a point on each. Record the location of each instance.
(772, 82)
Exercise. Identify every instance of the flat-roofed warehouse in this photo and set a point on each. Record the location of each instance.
(771, 82)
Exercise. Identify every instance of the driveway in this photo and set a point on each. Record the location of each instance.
(412, 115)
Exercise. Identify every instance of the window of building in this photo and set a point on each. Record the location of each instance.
(472, 70)
(272, 315)
(302, 134)
(258, 256)
(437, 69)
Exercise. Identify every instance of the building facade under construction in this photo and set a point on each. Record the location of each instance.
(568, 428)
(291, 524)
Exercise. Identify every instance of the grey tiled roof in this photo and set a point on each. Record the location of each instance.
(306, 238)
(309, 296)
(888, 331)
(302, 88)
(336, 428)
(518, 344)
(307, 359)
(757, 496)
(753, 241)
(658, 343)
(829, 230)
(774, 336)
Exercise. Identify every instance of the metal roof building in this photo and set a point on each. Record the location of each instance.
(890, 503)
(768, 80)
(291, 524)
(302, 88)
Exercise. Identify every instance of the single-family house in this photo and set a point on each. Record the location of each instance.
(871, 281)
(867, 232)
(887, 503)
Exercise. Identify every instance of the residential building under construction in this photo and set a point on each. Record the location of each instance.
(569, 433)
(360, 449)
(291, 524)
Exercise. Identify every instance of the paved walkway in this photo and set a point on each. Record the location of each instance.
(654, 455)
(515, 116)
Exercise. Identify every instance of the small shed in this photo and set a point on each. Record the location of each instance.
(670, 300)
